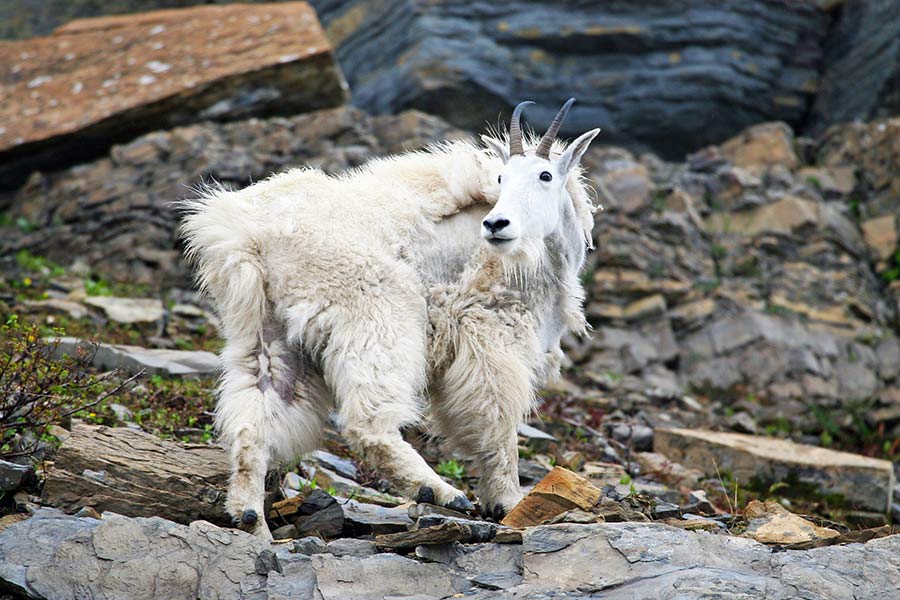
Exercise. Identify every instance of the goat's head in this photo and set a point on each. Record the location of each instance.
(532, 185)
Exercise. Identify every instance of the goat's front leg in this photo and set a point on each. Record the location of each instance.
(482, 397)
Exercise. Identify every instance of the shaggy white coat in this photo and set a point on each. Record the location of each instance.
(371, 295)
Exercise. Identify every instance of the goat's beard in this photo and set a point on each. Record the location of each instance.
(523, 260)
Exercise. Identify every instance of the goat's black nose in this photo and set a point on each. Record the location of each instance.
(495, 225)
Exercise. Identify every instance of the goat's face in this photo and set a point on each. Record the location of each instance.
(533, 192)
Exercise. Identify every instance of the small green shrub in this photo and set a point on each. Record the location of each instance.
(451, 469)
(38, 389)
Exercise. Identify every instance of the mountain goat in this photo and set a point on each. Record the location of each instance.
(439, 280)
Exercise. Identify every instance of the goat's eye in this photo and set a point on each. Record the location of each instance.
(546, 176)
(499, 177)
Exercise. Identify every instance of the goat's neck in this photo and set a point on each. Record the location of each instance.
(548, 282)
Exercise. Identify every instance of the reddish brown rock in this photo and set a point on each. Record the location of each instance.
(98, 81)
(561, 490)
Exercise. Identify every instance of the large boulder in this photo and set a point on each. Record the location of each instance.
(99, 81)
(671, 76)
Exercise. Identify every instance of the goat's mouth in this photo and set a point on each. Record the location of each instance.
(500, 244)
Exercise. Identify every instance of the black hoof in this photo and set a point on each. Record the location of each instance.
(495, 512)
(460, 503)
(249, 517)
(425, 495)
(235, 521)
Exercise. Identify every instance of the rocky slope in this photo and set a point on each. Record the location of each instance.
(761, 273)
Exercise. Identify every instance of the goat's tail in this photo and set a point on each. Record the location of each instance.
(219, 242)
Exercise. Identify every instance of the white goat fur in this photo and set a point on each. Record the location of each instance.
(371, 295)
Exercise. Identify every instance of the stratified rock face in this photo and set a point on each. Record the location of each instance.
(115, 212)
(862, 64)
(671, 76)
(53, 555)
(98, 81)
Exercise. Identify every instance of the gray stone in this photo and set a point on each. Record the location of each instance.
(132, 359)
(864, 41)
(309, 545)
(888, 352)
(861, 481)
(363, 518)
(13, 476)
(123, 413)
(365, 578)
(351, 547)
(341, 466)
(128, 310)
(52, 555)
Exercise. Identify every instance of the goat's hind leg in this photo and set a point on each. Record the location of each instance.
(262, 417)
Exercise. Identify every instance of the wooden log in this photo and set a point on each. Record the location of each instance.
(139, 475)
(444, 532)
(559, 491)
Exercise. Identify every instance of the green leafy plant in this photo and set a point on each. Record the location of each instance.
(892, 273)
(97, 287)
(39, 387)
(450, 468)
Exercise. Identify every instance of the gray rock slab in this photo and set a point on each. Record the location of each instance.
(862, 481)
(362, 518)
(53, 555)
(342, 466)
(128, 310)
(351, 547)
(132, 359)
(383, 575)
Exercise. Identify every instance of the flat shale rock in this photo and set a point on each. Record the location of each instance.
(128, 310)
(132, 359)
(98, 81)
(862, 481)
(137, 474)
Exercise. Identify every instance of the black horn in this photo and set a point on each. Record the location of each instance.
(543, 149)
(515, 131)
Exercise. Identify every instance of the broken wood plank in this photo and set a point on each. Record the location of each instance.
(138, 475)
(559, 491)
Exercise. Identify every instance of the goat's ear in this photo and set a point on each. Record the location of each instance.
(576, 150)
(499, 148)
